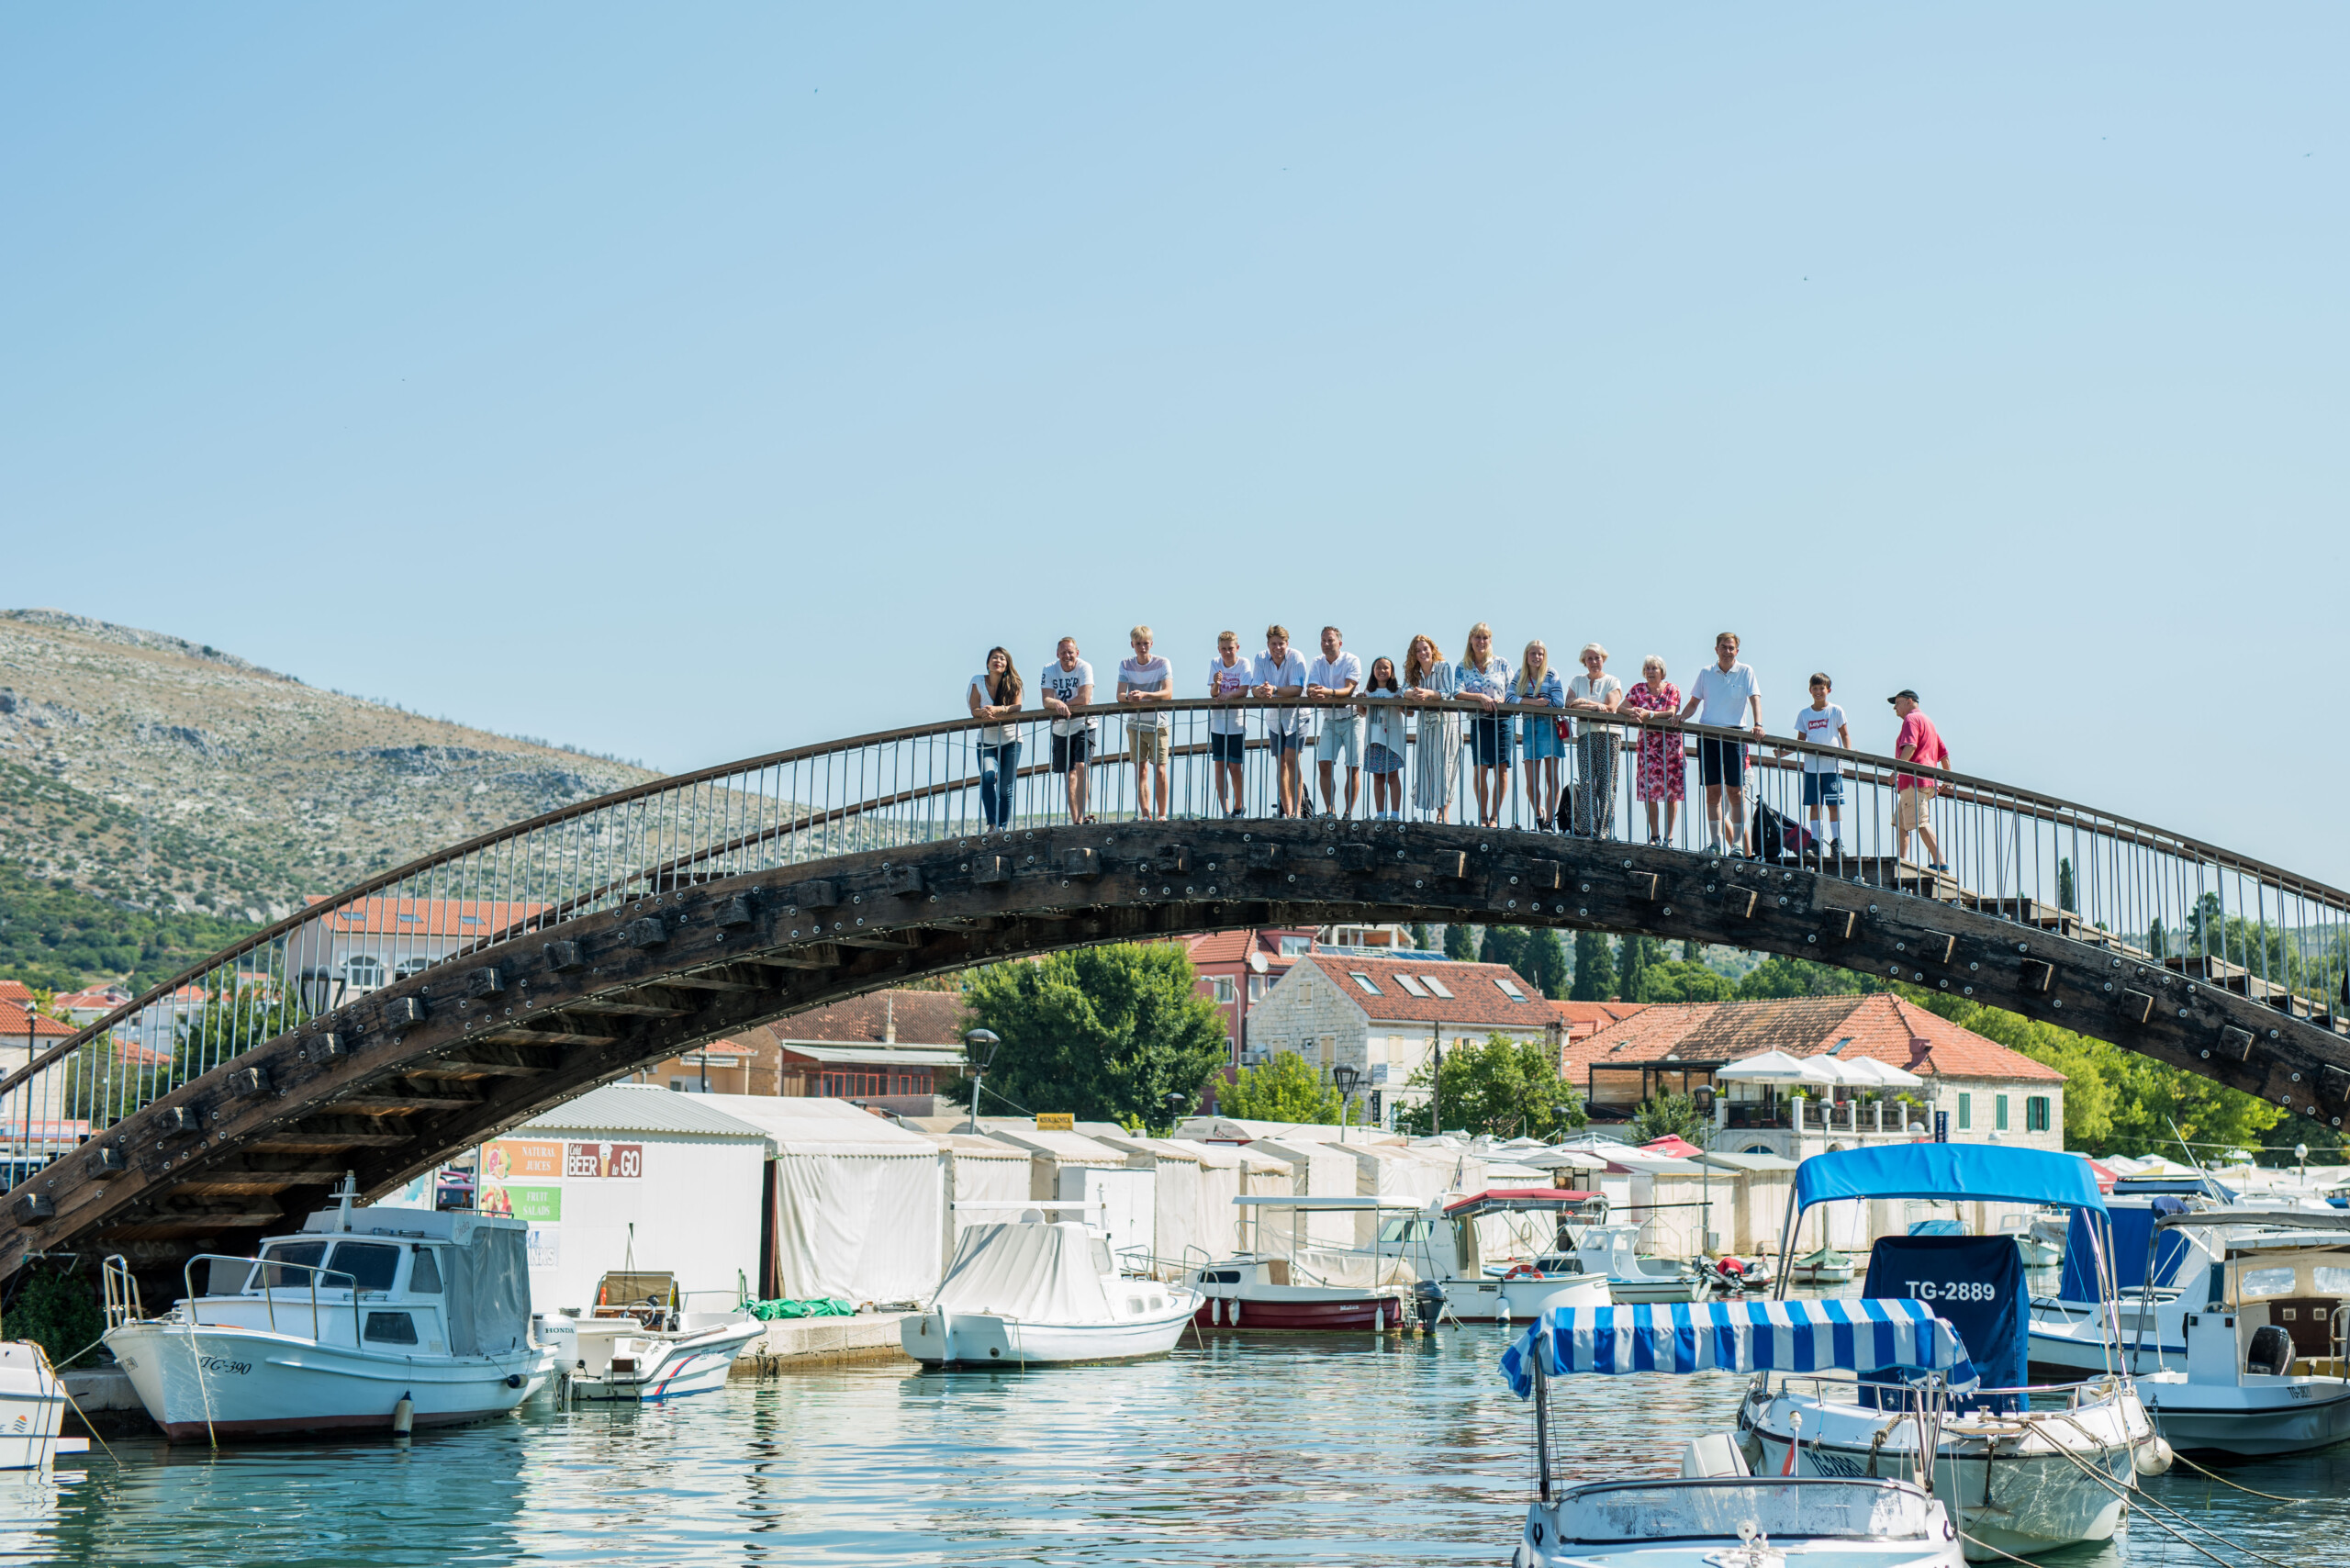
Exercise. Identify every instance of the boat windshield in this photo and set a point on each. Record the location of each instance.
(1403, 1228)
(312, 1253)
(1707, 1510)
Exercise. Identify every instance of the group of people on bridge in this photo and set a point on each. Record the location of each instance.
(1374, 734)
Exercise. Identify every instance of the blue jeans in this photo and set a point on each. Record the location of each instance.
(998, 770)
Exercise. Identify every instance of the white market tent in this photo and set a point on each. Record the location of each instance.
(629, 1175)
(1317, 1169)
(1191, 1197)
(1233, 1129)
(858, 1208)
(976, 1170)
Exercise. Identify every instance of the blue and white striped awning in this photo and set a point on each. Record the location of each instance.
(1868, 1335)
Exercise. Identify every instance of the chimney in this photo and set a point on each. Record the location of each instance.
(1919, 1047)
(889, 1019)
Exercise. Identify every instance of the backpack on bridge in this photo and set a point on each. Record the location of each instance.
(1775, 837)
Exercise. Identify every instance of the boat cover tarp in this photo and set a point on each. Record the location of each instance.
(2134, 1226)
(1975, 1283)
(1739, 1335)
(1972, 1172)
(486, 1288)
(857, 1199)
(1037, 1273)
(1352, 1270)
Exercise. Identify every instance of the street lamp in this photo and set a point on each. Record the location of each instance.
(1344, 1079)
(979, 1048)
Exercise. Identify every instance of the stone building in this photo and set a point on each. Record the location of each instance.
(1385, 1016)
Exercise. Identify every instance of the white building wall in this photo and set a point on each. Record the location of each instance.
(695, 1211)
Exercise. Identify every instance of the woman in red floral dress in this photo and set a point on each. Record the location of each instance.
(1658, 775)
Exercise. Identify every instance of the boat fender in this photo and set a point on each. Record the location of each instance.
(513, 1380)
(403, 1416)
(2153, 1457)
(1236, 1312)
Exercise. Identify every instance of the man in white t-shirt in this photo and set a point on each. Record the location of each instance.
(1336, 673)
(1282, 674)
(1822, 723)
(1229, 675)
(1724, 696)
(1149, 682)
(1068, 682)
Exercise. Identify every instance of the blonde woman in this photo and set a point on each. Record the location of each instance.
(1482, 678)
(1660, 774)
(1537, 684)
(1436, 777)
(1594, 691)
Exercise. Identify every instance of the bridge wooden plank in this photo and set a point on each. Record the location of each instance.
(303, 1139)
(395, 1097)
(622, 1007)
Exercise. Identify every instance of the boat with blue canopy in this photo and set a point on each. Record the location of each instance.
(1719, 1514)
(2025, 1467)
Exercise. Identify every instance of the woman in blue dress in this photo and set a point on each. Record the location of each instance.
(1538, 685)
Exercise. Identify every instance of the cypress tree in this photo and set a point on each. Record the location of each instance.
(1595, 969)
(1457, 945)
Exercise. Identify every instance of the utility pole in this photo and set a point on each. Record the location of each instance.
(1436, 1081)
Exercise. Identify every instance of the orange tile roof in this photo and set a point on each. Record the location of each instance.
(16, 1021)
(1882, 1027)
(1595, 1014)
(427, 917)
(17, 992)
(1233, 946)
(1475, 998)
(921, 1018)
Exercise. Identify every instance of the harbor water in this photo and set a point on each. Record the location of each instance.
(1245, 1451)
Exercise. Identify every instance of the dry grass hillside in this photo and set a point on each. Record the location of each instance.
(158, 773)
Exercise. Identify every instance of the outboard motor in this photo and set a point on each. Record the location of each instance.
(1428, 1299)
(2272, 1352)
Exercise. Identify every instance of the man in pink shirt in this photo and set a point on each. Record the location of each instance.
(1919, 743)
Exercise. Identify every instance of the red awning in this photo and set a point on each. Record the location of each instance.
(2105, 1178)
(1521, 1198)
(1678, 1147)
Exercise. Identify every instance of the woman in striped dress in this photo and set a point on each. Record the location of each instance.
(1436, 776)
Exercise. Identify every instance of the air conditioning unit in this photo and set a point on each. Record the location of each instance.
(1253, 1056)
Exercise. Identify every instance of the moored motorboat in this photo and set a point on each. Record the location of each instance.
(1292, 1288)
(2266, 1355)
(640, 1344)
(2023, 1468)
(1039, 1291)
(1445, 1246)
(32, 1408)
(1824, 1266)
(377, 1320)
(1612, 1253)
(1718, 1514)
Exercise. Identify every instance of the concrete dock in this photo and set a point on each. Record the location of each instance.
(795, 1342)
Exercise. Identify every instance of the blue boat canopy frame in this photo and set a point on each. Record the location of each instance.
(1967, 1172)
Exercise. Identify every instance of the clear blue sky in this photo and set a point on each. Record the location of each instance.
(687, 383)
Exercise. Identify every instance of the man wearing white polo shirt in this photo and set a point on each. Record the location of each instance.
(1336, 673)
(1281, 673)
(1724, 696)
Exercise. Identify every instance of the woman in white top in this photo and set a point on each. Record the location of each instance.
(1383, 757)
(1594, 691)
(1436, 777)
(996, 695)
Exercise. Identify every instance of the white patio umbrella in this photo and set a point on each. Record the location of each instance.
(1870, 1073)
(1778, 1067)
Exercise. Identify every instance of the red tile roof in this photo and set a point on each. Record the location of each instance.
(922, 1018)
(427, 917)
(17, 992)
(1882, 1027)
(16, 1021)
(1233, 946)
(1475, 998)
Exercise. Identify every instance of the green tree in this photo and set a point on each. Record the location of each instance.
(1284, 1088)
(1533, 952)
(1595, 969)
(1637, 954)
(1107, 1033)
(1681, 981)
(1501, 944)
(58, 1309)
(1420, 938)
(1668, 1115)
(1779, 976)
(2067, 897)
(2158, 942)
(1509, 1088)
(1457, 944)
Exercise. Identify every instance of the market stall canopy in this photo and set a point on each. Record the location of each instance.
(1521, 1199)
(1677, 1147)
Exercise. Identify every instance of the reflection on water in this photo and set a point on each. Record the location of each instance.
(1248, 1452)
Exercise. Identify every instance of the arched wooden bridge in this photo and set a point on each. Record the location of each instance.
(426, 1010)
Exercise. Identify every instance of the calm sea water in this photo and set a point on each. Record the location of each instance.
(1248, 1451)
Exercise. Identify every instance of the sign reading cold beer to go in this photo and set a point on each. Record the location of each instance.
(603, 1161)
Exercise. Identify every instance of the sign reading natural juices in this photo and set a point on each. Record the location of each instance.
(521, 1159)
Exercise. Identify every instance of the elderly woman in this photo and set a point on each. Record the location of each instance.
(1436, 777)
(1661, 768)
(1482, 678)
(1594, 691)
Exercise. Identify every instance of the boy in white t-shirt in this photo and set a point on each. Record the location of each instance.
(1822, 723)
(1145, 679)
(1229, 675)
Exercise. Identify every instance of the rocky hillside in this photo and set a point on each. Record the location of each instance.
(165, 775)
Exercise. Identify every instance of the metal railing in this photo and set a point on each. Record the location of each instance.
(2048, 864)
(268, 1291)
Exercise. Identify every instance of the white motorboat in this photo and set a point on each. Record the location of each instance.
(1445, 1246)
(1824, 1266)
(1718, 1514)
(372, 1320)
(2266, 1356)
(2024, 1469)
(32, 1409)
(1611, 1251)
(642, 1343)
(1041, 1292)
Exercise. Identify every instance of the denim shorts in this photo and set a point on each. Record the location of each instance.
(1490, 738)
(1823, 789)
(1233, 747)
(1277, 742)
